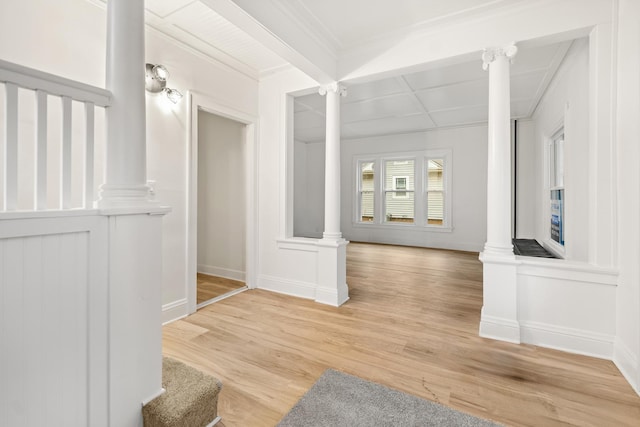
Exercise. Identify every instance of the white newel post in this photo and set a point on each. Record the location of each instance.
(499, 311)
(135, 225)
(332, 248)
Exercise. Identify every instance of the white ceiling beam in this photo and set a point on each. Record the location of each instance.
(270, 24)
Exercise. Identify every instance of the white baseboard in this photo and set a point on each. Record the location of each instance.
(578, 341)
(227, 273)
(499, 328)
(287, 287)
(627, 363)
(332, 296)
(174, 311)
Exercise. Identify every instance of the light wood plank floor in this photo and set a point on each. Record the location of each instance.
(412, 324)
(210, 287)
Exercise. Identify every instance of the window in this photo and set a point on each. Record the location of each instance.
(435, 191)
(556, 186)
(366, 196)
(404, 189)
(400, 183)
(399, 194)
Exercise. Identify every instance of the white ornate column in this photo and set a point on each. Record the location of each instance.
(332, 248)
(126, 167)
(499, 311)
(134, 225)
(497, 60)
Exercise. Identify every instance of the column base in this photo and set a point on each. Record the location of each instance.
(493, 250)
(332, 286)
(332, 236)
(499, 318)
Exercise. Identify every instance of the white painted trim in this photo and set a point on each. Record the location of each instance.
(33, 79)
(578, 341)
(306, 244)
(215, 421)
(412, 227)
(627, 363)
(153, 396)
(499, 328)
(331, 296)
(225, 273)
(47, 214)
(286, 286)
(197, 101)
(566, 270)
(221, 297)
(175, 310)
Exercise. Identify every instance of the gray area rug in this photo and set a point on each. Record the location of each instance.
(339, 399)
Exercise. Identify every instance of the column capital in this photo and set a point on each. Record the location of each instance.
(334, 87)
(490, 54)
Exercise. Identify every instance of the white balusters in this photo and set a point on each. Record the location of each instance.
(65, 158)
(41, 150)
(11, 148)
(90, 120)
(45, 88)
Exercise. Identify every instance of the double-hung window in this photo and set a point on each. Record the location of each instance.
(399, 190)
(556, 187)
(404, 189)
(435, 190)
(366, 187)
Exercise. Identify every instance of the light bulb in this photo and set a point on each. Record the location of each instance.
(173, 94)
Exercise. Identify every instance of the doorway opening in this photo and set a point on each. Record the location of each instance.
(221, 208)
(221, 256)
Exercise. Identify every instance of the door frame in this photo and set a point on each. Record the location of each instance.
(195, 102)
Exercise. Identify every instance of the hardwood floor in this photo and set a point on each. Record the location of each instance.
(411, 324)
(210, 287)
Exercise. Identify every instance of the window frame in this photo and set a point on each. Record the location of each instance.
(555, 168)
(446, 191)
(360, 191)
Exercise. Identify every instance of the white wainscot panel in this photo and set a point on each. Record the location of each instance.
(567, 306)
(53, 329)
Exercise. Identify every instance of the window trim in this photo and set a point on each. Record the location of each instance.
(446, 189)
(551, 185)
(358, 201)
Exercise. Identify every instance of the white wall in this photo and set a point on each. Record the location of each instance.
(68, 37)
(566, 101)
(285, 266)
(221, 196)
(526, 180)
(627, 348)
(308, 187)
(469, 188)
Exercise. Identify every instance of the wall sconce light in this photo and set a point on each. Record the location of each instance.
(156, 81)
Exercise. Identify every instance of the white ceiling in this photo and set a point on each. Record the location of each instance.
(354, 22)
(452, 95)
(200, 27)
(440, 96)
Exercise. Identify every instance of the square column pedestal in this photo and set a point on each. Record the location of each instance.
(332, 272)
(499, 318)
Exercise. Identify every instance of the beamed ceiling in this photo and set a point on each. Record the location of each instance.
(248, 36)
